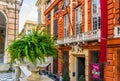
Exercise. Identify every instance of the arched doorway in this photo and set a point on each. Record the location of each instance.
(2, 35)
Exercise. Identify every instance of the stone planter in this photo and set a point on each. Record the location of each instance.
(17, 72)
(35, 73)
(35, 76)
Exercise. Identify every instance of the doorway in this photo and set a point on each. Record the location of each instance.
(2, 35)
(80, 68)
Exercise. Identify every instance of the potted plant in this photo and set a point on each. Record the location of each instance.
(66, 76)
(36, 47)
(81, 78)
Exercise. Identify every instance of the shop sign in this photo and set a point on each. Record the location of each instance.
(95, 71)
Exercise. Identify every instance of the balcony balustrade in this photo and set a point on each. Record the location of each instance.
(82, 37)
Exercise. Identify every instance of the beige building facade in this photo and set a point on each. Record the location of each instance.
(28, 27)
(41, 8)
(9, 18)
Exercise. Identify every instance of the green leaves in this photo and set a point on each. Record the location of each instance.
(36, 45)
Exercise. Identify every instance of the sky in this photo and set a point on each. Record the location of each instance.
(28, 12)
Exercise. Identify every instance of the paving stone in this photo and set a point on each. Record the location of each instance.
(4, 76)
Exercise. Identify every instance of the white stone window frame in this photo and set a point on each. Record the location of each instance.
(97, 15)
(66, 25)
(117, 31)
(78, 20)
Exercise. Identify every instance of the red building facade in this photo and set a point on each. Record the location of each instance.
(76, 25)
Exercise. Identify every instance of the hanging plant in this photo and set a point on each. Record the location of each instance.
(34, 46)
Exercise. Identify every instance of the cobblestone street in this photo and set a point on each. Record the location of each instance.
(6, 76)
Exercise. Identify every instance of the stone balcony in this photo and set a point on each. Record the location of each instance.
(83, 37)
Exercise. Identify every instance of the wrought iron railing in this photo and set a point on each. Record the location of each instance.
(82, 37)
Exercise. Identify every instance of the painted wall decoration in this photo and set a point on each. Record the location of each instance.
(95, 71)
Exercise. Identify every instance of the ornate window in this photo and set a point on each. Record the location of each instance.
(78, 20)
(96, 18)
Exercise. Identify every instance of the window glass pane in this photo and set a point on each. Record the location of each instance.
(65, 25)
(48, 29)
(79, 20)
(96, 19)
(55, 8)
(56, 28)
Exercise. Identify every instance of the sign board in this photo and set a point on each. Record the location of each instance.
(95, 71)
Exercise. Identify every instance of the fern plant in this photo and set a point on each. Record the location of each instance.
(34, 46)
